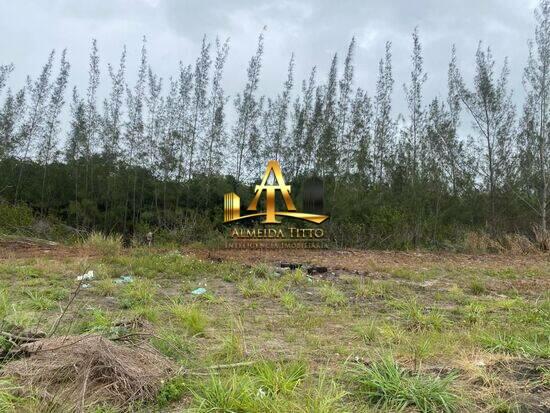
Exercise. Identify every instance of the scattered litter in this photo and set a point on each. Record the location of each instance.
(316, 269)
(199, 291)
(85, 286)
(86, 277)
(290, 265)
(124, 279)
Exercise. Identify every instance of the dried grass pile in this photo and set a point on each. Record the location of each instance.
(85, 370)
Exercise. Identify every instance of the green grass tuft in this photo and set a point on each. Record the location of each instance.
(12, 402)
(189, 317)
(4, 304)
(139, 293)
(418, 318)
(97, 321)
(109, 245)
(291, 302)
(265, 287)
(367, 332)
(477, 287)
(173, 345)
(38, 301)
(537, 345)
(275, 378)
(388, 386)
(332, 296)
(172, 390)
(323, 397)
(262, 270)
(232, 394)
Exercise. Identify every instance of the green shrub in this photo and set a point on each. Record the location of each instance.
(13, 218)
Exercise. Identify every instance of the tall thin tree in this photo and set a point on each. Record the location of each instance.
(247, 106)
(535, 137)
(383, 123)
(38, 92)
(48, 141)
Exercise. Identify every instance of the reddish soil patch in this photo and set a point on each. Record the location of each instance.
(27, 248)
(366, 261)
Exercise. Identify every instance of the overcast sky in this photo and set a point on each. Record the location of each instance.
(313, 30)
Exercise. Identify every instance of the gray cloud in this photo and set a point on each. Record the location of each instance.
(314, 30)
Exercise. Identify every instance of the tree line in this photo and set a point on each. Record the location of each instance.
(160, 153)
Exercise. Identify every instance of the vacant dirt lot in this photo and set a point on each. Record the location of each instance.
(280, 330)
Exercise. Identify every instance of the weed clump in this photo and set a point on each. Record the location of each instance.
(537, 345)
(139, 293)
(276, 378)
(332, 296)
(418, 318)
(109, 245)
(389, 386)
(477, 287)
(190, 317)
(291, 302)
(269, 387)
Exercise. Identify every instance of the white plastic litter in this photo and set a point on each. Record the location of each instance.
(86, 277)
(124, 279)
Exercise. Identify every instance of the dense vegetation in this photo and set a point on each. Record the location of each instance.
(159, 155)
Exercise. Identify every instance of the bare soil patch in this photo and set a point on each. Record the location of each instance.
(21, 247)
(368, 261)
